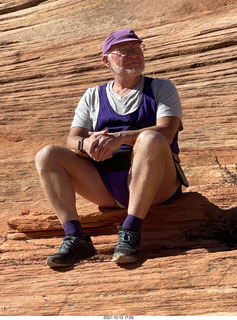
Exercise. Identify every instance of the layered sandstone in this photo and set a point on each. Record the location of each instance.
(50, 53)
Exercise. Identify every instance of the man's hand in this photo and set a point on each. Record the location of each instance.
(101, 144)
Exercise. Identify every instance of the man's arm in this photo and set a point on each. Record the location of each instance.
(91, 143)
(100, 145)
(76, 134)
(167, 126)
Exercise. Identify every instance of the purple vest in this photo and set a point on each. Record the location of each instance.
(144, 116)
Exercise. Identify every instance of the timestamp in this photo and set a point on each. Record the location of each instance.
(118, 317)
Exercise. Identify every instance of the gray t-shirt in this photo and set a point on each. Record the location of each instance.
(165, 93)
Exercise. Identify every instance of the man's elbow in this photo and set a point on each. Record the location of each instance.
(170, 139)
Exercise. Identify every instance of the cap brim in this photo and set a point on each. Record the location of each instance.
(121, 41)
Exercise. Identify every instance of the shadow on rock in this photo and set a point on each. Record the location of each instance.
(192, 222)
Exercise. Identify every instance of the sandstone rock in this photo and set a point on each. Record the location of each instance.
(50, 53)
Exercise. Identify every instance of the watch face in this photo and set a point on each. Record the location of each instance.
(80, 144)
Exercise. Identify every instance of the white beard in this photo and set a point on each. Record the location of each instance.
(128, 72)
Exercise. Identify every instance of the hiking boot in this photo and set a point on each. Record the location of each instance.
(72, 250)
(127, 248)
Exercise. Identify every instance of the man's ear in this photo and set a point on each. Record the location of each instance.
(106, 61)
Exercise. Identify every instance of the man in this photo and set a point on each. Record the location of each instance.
(119, 152)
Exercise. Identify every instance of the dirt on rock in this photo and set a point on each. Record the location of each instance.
(50, 54)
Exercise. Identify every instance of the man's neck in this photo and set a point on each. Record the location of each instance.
(123, 86)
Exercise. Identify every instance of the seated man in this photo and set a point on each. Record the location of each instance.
(121, 150)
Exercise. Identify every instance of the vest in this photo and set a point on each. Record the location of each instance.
(144, 116)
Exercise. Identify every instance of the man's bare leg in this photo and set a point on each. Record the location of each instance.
(152, 180)
(153, 177)
(62, 172)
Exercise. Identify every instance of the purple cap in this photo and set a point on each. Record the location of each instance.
(119, 36)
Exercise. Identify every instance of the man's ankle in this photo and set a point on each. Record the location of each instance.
(73, 228)
(132, 223)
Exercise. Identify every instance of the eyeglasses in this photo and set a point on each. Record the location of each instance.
(127, 52)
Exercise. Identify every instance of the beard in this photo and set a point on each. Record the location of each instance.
(125, 71)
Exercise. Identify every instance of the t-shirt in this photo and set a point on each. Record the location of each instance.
(164, 91)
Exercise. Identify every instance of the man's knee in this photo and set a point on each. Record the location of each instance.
(150, 141)
(45, 157)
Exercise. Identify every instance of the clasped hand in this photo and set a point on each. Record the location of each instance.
(101, 144)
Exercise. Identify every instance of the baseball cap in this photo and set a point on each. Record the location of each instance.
(119, 36)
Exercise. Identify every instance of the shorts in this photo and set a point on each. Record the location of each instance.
(116, 181)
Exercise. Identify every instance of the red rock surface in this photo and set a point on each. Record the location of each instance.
(50, 53)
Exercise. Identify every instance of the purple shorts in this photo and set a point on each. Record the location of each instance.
(116, 183)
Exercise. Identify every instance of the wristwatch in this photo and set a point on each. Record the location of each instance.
(80, 145)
